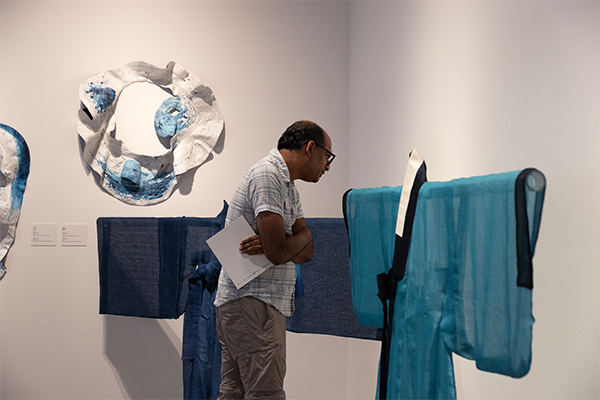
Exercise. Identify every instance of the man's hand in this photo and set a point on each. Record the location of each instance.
(251, 246)
(307, 252)
(276, 245)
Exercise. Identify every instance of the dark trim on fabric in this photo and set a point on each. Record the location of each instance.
(525, 244)
(345, 213)
(103, 229)
(388, 283)
(169, 234)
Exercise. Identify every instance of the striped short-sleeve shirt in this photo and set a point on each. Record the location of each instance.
(266, 186)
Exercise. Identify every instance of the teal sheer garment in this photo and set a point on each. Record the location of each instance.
(468, 282)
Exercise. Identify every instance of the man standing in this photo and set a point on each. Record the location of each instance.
(251, 320)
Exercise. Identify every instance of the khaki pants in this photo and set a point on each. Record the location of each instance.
(252, 335)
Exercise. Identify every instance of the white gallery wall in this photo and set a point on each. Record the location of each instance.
(482, 87)
(478, 86)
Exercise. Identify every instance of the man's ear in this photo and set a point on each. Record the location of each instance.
(309, 148)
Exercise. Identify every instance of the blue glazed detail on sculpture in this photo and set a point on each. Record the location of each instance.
(150, 186)
(102, 96)
(172, 116)
(18, 185)
(131, 175)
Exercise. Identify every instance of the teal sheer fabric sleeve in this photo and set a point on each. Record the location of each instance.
(371, 217)
(468, 282)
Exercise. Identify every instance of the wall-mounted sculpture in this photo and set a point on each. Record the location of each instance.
(14, 170)
(191, 118)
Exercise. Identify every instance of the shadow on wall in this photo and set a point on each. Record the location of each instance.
(143, 357)
(186, 180)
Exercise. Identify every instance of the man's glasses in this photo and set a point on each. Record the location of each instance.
(330, 155)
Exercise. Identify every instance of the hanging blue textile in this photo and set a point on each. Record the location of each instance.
(468, 279)
(201, 353)
(159, 268)
(139, 267)
(326, 305)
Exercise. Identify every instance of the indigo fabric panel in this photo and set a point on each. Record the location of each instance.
(326, 306)
(138, 268)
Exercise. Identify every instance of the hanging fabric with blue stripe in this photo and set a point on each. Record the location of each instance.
(139, 267)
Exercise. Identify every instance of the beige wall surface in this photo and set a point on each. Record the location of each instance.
(482, 87)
